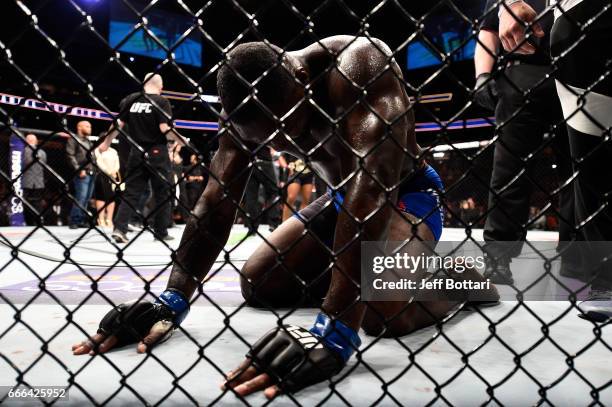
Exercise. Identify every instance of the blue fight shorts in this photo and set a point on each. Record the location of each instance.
(419, 196)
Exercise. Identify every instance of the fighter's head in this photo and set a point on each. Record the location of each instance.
(274, 78)
(153, 83)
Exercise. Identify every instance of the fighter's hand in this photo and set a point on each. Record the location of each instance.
(142, 322)
(290, 358)
(512, 27)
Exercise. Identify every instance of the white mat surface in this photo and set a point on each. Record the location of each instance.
(538, 362)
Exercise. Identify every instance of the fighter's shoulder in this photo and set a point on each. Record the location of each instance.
(364, 58)
(229, 141)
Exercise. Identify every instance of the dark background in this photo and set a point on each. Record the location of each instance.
(85, 73)
(223, 21)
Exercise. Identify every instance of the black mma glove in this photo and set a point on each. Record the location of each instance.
(130, 322)
(485, 91)
(297, 358)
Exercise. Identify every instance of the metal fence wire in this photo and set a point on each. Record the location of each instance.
(354, 116)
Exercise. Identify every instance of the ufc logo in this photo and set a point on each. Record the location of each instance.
(140, 107)
(305, 338)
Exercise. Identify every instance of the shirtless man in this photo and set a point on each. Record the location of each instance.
(340, 104)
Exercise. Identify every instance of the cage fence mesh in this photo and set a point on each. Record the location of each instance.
(47, 93)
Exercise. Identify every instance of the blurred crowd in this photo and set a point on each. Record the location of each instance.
(280, 186)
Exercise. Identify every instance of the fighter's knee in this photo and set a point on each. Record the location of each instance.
(257, 287)
(248, 284)
(248, 292)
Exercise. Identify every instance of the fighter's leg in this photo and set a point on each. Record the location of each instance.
(398, 318)
(291, 267)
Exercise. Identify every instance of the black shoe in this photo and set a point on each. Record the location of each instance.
(119, 236)
(572, 270)
(597, 307)
(498, 271)
(165, 238)
(74, 225)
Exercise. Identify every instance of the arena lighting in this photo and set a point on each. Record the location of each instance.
(460, 146)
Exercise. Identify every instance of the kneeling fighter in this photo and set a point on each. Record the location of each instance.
(340, 104)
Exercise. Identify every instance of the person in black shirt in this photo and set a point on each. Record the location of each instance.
(148, 116)
(524, 126)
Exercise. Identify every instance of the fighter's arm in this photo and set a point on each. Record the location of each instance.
(210, 224)
(381, 134)
(203, 238)
(380, 153)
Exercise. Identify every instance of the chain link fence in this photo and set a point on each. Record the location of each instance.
(369, 81)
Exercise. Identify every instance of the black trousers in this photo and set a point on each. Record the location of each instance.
(34, 196)
(182, 202)
(583, 38)
(153, 165)
(263, 176)
(524, 127)
(193, 193)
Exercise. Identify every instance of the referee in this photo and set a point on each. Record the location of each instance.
(580, 45)
(148, 116)
(520, 89)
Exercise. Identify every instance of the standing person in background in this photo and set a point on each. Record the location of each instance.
(581, 51)
(519, 89)
(178, 191)
(107, 181)
(148, 115)
(196, 178)
(33, 180)
(78, 151)
(300, 181)
(263, 176)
